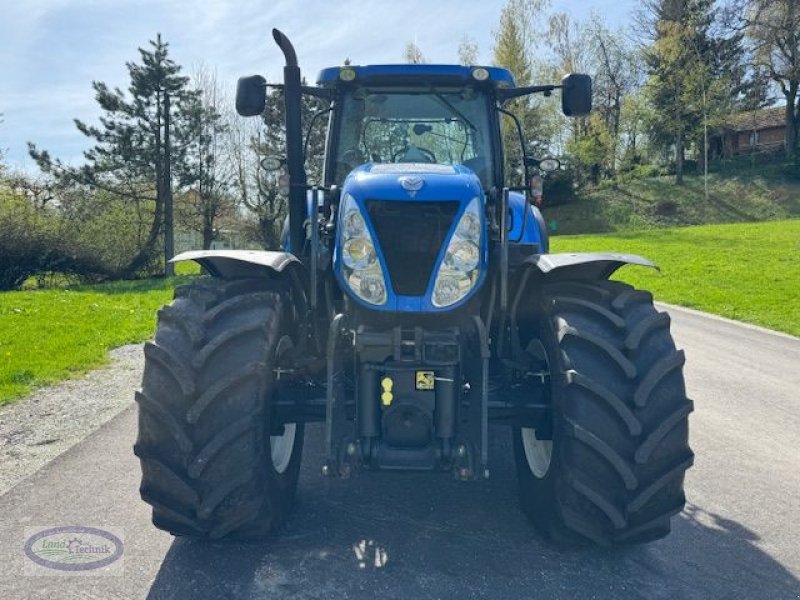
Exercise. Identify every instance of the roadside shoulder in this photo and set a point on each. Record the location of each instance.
(37, 428)
(713, 317)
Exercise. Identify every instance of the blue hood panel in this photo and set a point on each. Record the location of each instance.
(437, 182)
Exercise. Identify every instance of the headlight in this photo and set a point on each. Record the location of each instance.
(361, 270)
(358, 253)
(460, 268)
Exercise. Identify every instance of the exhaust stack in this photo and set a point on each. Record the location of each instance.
(292, 96)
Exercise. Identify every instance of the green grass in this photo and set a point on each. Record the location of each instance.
(187, 267)
(749, 272)
(52, 334)
(738, 192)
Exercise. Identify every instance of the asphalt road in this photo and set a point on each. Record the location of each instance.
(423, 536)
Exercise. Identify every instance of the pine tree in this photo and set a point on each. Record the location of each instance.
(679, 71)
(130, 156)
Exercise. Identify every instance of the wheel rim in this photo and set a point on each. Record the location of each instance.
(282, 446)
(539, 453)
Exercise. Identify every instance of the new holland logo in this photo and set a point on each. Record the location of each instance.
(412, 184)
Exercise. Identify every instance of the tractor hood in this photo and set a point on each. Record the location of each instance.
(413, 181)
(420, 227)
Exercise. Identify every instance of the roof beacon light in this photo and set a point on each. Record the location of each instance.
(480, 74)
(347, 74)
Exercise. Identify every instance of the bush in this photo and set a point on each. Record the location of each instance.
(35, 242)
(111, 230)
(559, 187)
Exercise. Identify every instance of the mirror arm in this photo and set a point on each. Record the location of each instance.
(308, 90)
(506, 95)
(318, 92)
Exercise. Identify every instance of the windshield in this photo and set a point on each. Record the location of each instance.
(448, 127)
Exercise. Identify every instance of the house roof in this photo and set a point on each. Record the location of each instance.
(764, 118)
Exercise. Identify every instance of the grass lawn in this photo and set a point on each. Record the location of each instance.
(749, 272)
(52, 334)
(738, 193)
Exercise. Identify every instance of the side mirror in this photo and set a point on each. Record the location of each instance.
(549, 164)
(576, 95)
(251, 95)
(272, 163)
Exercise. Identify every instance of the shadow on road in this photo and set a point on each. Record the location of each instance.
(407, 535)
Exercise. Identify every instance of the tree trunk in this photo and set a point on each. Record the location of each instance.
(679, 159)
(148, 250)
(169, 219)
(208, 234)
(792, 119)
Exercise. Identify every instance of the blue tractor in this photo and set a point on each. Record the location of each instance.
(413, 305)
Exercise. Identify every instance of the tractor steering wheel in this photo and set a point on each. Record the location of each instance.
(427, 155)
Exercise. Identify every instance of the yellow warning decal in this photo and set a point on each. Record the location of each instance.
(425, 380)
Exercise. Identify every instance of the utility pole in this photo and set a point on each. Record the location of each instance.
(169, 231)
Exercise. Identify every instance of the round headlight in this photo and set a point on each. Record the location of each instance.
(470, 227)
(358, 253)
(462, 256)
(354, 225)
(368, 285)
(451, 286)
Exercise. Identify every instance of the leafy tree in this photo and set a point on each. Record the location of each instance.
(515, 43)
(593, 152)
(635, 115)
(129, 158)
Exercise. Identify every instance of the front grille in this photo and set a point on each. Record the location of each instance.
(410, 235)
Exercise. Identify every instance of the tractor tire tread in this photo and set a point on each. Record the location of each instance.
(620, 419)
(206, 463)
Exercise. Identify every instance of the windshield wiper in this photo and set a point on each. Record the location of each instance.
(439, 96)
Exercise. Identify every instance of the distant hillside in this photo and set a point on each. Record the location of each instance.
(739, 191)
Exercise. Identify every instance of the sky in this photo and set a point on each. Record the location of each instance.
(52, 50)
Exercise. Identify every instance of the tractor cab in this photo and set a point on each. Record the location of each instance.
(415, 114)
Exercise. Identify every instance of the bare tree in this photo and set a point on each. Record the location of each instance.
(773, 27)
(412, 54)
(204, 173)
(468, 51)
(618, 72)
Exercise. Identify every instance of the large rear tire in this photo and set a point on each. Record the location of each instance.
(613, 472)
(212, 466)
